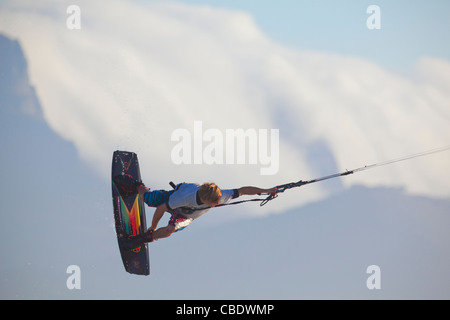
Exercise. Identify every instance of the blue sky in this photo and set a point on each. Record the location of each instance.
(341, 95)
(409, 29)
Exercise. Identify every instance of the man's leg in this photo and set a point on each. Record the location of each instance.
(142, 190)
(153, 198)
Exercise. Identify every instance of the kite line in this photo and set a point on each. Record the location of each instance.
(283, 187)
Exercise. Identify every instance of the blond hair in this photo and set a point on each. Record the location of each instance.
(209, 191)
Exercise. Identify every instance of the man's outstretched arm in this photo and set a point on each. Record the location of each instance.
(159, 212)
(249, 191)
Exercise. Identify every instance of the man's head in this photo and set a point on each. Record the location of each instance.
(210, 194)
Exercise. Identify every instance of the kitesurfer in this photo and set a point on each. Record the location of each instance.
(186, 202)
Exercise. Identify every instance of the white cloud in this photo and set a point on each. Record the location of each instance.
(136, 72)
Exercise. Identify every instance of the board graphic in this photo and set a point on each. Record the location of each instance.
(129, 213)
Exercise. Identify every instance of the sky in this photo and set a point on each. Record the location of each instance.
(339, 27)
(340, 95)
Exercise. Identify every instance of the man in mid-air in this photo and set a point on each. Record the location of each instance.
(187, 202)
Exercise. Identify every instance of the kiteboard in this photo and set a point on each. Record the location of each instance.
(129, 214)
